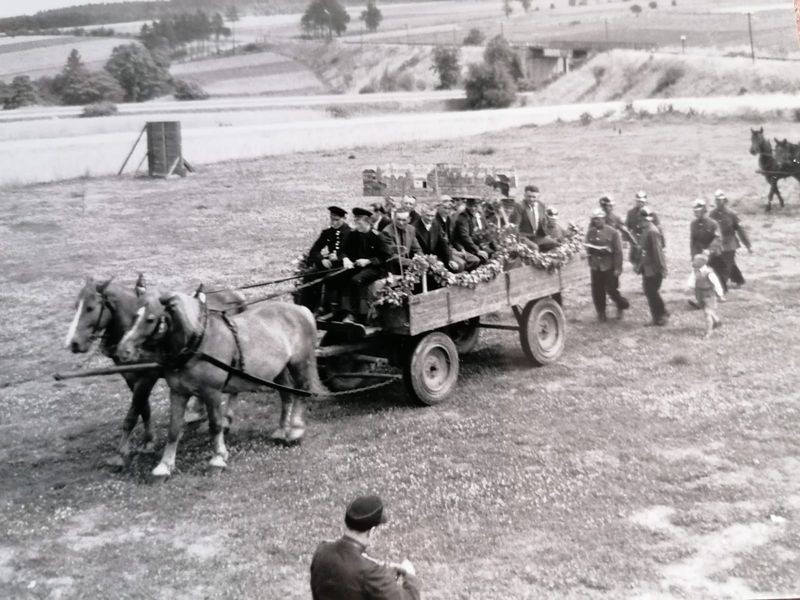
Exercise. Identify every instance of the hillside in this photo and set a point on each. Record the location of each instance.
(623, 74)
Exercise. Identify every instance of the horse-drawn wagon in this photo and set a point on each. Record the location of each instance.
(425, 336)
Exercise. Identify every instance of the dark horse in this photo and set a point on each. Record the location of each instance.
(107, 310)
(276, 342)
(768, 164)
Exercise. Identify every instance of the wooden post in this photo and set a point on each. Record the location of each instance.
(136, 143)
(750, 31)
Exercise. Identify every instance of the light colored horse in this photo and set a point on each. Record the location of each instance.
(275, 342)
(106, 310)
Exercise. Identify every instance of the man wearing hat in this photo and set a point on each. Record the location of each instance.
(530, 219)
(614, 220)
(704, 238)
(325, 253)
(552, 229)
(604, 246)
(732, 233)
(466, 229)
(633, 223)
(364, 256)
(653, 267)
(342, 570)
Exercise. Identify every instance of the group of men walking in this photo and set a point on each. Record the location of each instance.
(715, 235)
(385, 238)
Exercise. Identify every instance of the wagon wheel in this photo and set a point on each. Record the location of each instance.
(465, 335)
(431, 371)
(543, 331)
(342, 364)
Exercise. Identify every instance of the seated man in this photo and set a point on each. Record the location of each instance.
(409, 203)
(364, 256)
(530, 218)
(432, 239)
(445, 218)
(379, 218)
(552, 229)
(400, 239)
(468, 226)
(325, 254)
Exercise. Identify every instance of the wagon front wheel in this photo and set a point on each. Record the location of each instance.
(431, 371)
(543, 331)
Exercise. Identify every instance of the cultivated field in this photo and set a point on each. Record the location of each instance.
(647, 463)
(46, 55)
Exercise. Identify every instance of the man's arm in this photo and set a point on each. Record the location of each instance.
(316, 248)
(381, 583)
(742, 233)
(414, 248)
(616, 248)
(463, 237)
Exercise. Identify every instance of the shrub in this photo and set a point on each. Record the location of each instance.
(138, 73)
(405, 81)
(586, 118)
(489, 86)
(475, 37)
(482, 151)
(498, 51)
(668, 78)
(99, 109)
(598, 73)
(636, 9)
(189, 90)
(652, 4)
(370, 88)
(446, 66)
(22, 93)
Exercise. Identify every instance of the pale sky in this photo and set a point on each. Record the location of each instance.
(12, 8)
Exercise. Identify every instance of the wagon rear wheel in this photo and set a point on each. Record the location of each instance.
(543, 331)
(465, 335)
(431, 371)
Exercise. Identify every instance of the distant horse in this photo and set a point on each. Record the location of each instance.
(788, 156)
(107, 310)
(768, 164)
(276, 343)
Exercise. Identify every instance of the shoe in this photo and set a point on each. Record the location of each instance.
(694, 304)
(602, 318)
(662, 321)
(717, 324)
(620, 313)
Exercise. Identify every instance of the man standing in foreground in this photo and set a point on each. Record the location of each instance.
(604, 246)
(732, 232)
(342, 570)
(653, 266)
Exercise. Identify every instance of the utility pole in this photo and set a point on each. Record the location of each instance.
(750, 31)
(606, 24)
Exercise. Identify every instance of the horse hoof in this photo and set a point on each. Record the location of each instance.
(116, 462)
(161, 472)
(295, 435)
(279, 435)
(217, 462)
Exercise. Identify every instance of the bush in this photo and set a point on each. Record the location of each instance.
(370, 88)
(446, 66)
(189, 90)
(498, 51)
(475, 37)
(140, 76)
(482, 151)
(99, 109)
(586, 118)
(489, 86)
(22, 92)
(405, 81)
(668, 78)
(652, 4)
(796, 115)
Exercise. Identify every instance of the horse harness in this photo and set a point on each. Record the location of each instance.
(192, 350)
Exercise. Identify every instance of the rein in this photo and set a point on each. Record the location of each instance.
(274, 281)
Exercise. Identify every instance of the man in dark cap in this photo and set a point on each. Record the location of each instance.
(704, 238)
(325, 254)
(634, 224)
(342, 570)
(552, 227)
(364, 257)
(604, 247)
(613, 219)
(653, 267)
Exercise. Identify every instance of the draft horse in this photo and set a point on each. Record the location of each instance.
(768, 164)
(275, 342)
(106, 310)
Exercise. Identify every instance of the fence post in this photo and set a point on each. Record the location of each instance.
(750, 31)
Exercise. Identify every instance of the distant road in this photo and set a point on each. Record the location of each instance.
(226, 104)
(38, 160)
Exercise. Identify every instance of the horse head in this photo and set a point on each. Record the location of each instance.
(758, 143)
(150, 326)
(93, 313)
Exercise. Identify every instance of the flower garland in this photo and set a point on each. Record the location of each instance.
(398, 288)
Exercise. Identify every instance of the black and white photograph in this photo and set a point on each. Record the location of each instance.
(400, 299)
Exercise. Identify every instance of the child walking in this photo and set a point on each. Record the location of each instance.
(707, 288)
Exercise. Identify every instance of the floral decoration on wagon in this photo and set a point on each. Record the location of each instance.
(510, 253)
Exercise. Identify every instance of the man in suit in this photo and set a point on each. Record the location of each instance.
(400, 239)
(364, 257)
(379, 218)
(409, 203)
(530, 219)
(325, 254)
(445, 219)
(466, 230)
(604, 246)
(432, 237)
(653, 267)
(342, 570)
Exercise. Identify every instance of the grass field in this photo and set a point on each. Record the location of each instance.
(646, 463)
(48, 55)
